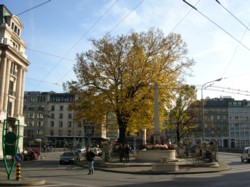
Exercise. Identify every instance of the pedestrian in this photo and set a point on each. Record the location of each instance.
(127, 151)
(90, 158)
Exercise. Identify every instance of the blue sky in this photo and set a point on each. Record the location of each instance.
(218, 42)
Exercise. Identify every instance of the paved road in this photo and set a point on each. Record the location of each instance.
(68, 175)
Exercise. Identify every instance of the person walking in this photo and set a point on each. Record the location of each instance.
(90, 158)
(127, 151)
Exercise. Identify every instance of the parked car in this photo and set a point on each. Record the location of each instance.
(245, 155)
(80, 149)
(30, 154)
(69, 157)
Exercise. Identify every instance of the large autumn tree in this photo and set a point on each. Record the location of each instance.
(117, 76)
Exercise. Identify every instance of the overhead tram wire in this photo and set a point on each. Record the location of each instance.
(226, 90)
(235, 92)
(137, 5)
(49, 54)
(129, 14)
(233, 15)
(183, 18)
(217, 25)
(232, 89)
(77, 42)
(247, 28)
(33, 8)
(235, 51)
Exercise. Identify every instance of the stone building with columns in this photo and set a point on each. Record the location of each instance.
(13, 66)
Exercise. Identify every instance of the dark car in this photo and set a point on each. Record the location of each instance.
(69, 157)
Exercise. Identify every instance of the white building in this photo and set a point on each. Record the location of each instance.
(13, 66)
(239, 123)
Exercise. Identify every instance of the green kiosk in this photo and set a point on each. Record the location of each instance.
(10, 141)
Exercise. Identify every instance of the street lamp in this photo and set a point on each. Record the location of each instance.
(156, 114)
(207, 84)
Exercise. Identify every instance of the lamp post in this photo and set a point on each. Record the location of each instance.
(156, 115)
(207, 84)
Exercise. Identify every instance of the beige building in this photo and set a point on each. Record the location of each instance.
(13, 66)
(50, 120)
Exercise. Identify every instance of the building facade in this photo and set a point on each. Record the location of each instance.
(215, 121)
(61, 128)
(35, 112)
(239, 124)
(13, 67)
(50, 122)
(227, 122)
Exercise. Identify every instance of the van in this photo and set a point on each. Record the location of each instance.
(245, 155)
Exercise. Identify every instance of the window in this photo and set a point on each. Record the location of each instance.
(39, 132)
(79, 124)
(32, 123)
(52, 108)
(32, 115)
(40, 107)
(40, 115)
(51, 133)
(60, 124)
(69, 123)
(52, 123)
(60, 132)
(11, 88)
(61, 108)
(79, 133)
(52, 116)
(69, 116)
(69, 132)
(40, 123)
(232, 133)
(61, 116)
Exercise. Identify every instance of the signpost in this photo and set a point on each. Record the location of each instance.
(19, 157)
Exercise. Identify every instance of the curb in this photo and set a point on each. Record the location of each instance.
(23, 182)
(147, 170)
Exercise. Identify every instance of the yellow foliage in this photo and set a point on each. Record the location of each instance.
(118, 75)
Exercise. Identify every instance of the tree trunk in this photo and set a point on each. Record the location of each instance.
(178, 138)
(122, 129)
(122, 133)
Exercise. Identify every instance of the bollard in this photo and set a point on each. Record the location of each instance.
(18, 172)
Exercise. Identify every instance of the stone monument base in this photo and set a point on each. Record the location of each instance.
(156, 155)
(165, 167)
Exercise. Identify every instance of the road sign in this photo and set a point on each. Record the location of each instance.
(19, 157)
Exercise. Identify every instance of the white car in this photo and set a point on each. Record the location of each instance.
(80, 149)
(245, 155)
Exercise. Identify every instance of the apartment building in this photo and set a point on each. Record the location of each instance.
(50, 122)
(226, 121)
(62, 130)
(13, 67)
(239, 124)
(215, 121)
(35, 112)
